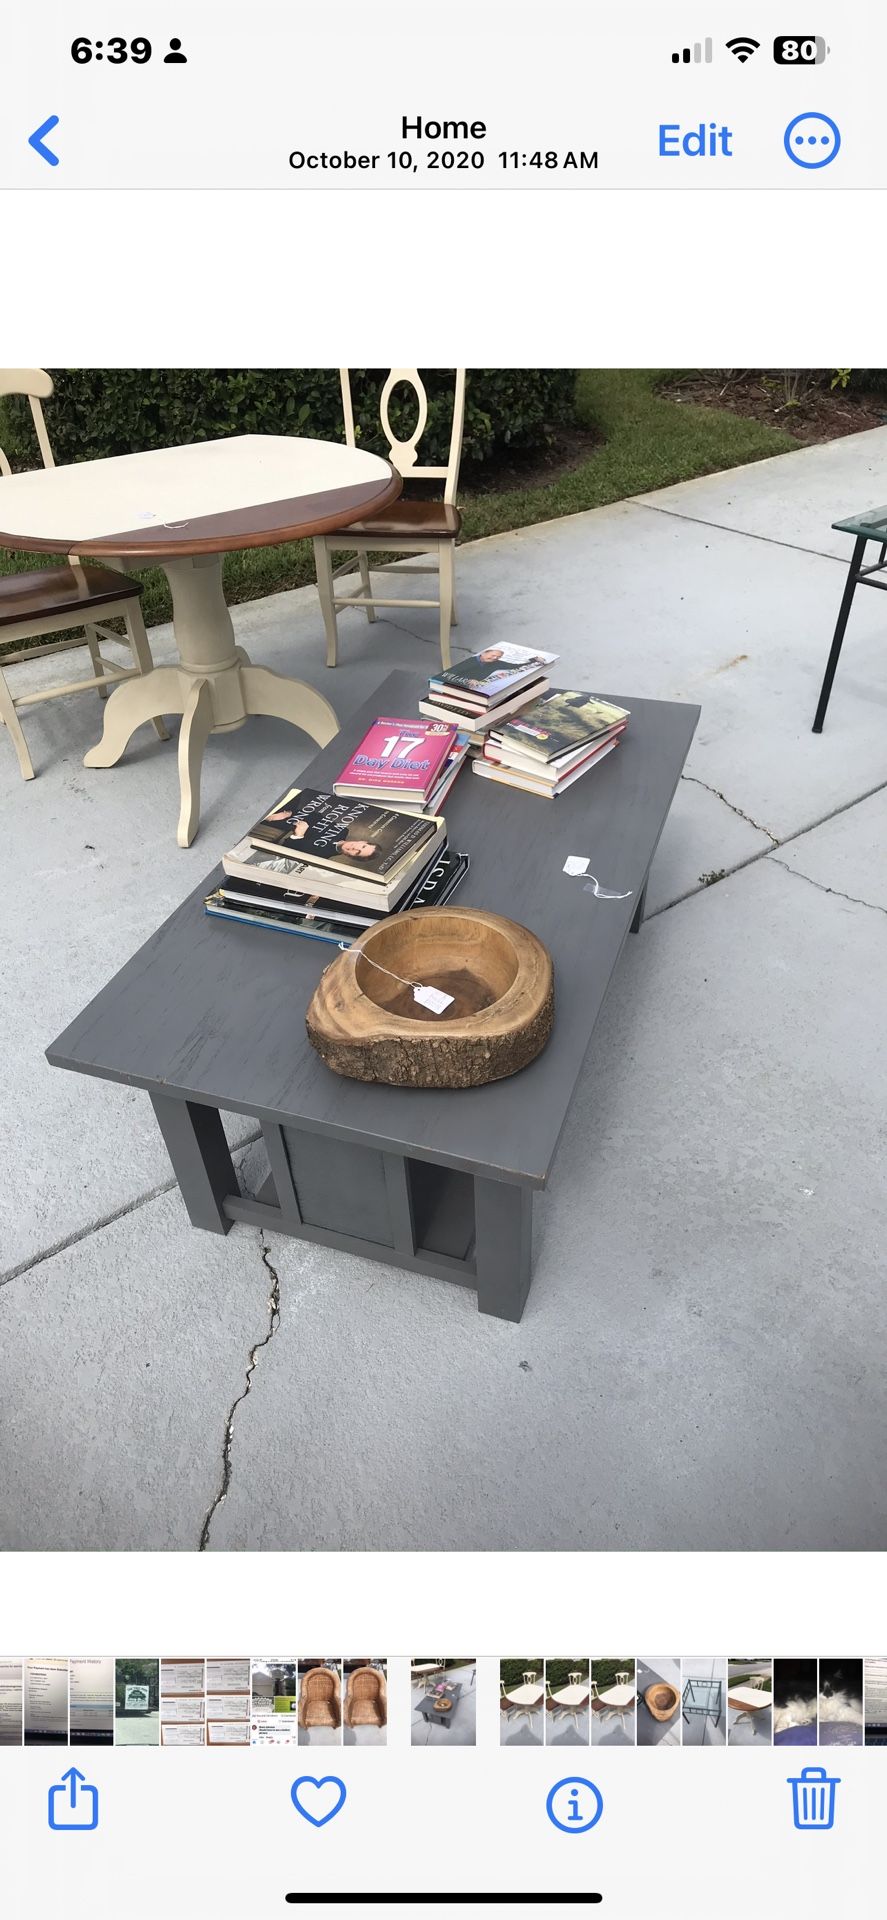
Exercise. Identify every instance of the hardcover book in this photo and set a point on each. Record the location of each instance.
(532, 783)
(492, 716)
(323, 919)
(494, 672)
(287, 875)
(560, 721)
(400, 759)
(348, 836)
(552, 772)
(333, 932)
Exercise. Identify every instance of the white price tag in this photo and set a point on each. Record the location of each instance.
(432, 998)
(575, 864)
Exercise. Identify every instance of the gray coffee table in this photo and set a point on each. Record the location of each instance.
(429, 1711)
(208, 1017)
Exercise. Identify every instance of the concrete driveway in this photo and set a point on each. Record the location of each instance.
(701, 1363)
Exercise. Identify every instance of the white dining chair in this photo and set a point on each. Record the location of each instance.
(51, 600)
(427, 527)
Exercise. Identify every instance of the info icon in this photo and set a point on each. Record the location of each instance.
(574, 1804)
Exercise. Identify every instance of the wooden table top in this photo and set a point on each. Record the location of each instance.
(209, 497)
(216, 1012)
(618, 1696)
(525, 1696)
(749, 1699)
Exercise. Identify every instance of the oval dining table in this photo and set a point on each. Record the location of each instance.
(182, 509)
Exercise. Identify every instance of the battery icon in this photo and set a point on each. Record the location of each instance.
(799, 50)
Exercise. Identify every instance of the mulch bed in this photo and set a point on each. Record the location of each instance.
(819, 414)
(569, 447)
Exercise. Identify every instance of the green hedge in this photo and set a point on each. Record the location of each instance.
(94, 413)
(603, 1672)
(557, 1672)
(512, 1671)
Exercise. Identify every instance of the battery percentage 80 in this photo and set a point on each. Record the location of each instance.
(799, 50)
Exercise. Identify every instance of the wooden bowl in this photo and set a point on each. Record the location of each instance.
(662, 1700)
(443, 1706)
(368, 1026)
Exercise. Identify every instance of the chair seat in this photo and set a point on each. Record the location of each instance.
(365, 1713)
(426, 519)
(59, 590)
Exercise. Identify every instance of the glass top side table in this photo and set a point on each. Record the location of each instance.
(702, 1696)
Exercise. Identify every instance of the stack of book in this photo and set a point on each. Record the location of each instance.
(411, 763)
(327, 867)
(552, 743)
(479, 692)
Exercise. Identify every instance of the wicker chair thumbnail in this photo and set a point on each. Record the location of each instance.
(366, 1698)
(320, 1704)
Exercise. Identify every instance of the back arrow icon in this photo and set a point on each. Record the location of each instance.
(35, 140)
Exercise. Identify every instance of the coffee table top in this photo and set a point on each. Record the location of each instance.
(208, 497)
(214, 1012)
(449, 1691)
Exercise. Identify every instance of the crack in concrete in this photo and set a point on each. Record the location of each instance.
(83, 1233)
(741, 533)
(227, 1444)
(821, 887)
(428, 639)
(696, 782)
(765, 853)
(108, 1219)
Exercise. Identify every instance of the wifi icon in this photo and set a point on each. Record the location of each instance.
(743, 46)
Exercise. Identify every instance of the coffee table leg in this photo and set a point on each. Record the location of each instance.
(503, 1242)
(201, 1160)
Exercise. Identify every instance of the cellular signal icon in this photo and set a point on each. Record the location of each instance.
(700, 51)
(743, 47)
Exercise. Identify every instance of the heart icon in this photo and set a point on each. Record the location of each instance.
(318, 1800)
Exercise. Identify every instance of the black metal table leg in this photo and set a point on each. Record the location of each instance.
(837, 642)
(201, 1159)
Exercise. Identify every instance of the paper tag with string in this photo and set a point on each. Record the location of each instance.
(433, 998)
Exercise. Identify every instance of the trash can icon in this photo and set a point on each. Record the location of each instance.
(813, 1799)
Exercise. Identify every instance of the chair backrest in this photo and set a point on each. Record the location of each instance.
(760, 1680)
(622, 1679)
(320, 1687)
(36, 386)
(530, 1676)
(575, 1679)
(403, 453)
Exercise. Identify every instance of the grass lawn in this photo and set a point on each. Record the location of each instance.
(646, 441)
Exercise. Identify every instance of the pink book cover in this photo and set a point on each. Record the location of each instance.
(402, 755)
